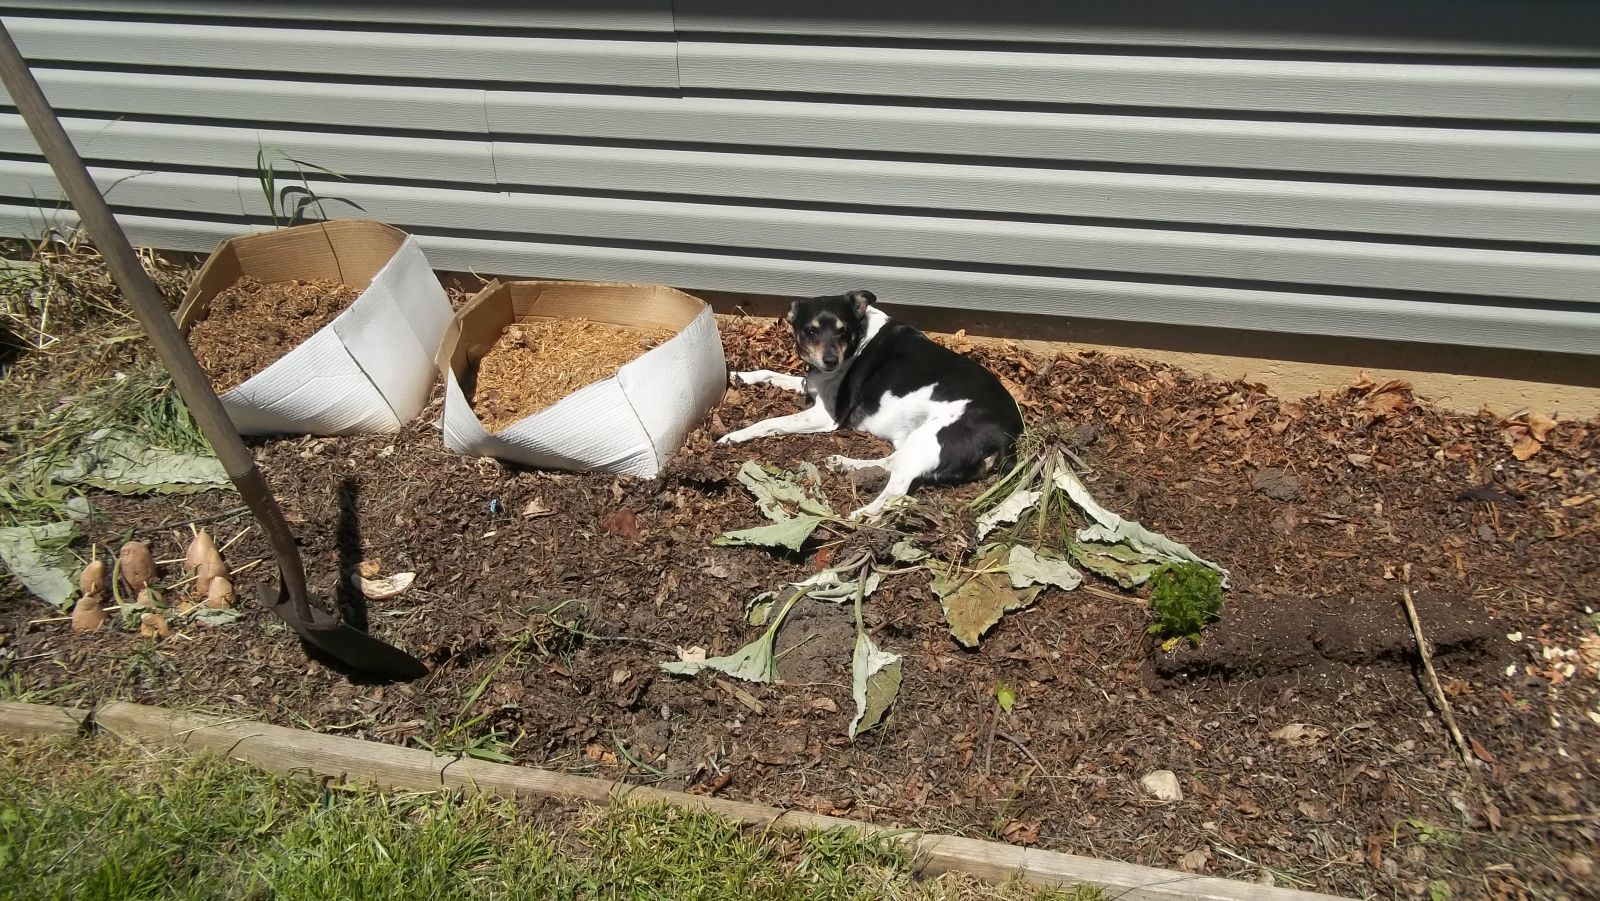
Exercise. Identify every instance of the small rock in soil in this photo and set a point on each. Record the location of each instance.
(1162, 785)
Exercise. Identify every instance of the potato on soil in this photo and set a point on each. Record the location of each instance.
(93, 579)
(203, 563)
(138, 567)
(219, 594)
(154, 625)
(88, 614)
(200, 548)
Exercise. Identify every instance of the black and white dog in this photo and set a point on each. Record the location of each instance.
(949, 419)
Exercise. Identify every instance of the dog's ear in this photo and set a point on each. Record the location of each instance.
(794, 312)
(861, 300)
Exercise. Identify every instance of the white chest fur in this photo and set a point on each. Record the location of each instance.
(897, 417)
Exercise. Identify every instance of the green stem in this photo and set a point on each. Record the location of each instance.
(861, 592)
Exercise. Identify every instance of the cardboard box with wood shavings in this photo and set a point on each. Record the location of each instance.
(368, 371)
(629, 423)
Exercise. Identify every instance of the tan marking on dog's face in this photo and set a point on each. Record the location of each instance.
(826, 331)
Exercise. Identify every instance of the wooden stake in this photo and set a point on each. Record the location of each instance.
(1491, 811)
(296, 752)
(1433, 681)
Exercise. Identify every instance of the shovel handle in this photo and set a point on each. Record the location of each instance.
(192, 383)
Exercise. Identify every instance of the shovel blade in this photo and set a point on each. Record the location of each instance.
(341, 641)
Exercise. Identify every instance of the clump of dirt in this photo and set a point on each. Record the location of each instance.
(253, 324)
(538, 362)
(1270, 639)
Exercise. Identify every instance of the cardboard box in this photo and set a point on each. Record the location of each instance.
(371, 369)
(628, 424)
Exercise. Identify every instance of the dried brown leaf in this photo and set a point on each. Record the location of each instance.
(1479, 751)
(1194, 861)
(1021, 832)
(1525, 447)
(1540, 426)
(1300, 735)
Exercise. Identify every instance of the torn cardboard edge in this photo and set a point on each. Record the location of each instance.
(630, 423)
(371, 369)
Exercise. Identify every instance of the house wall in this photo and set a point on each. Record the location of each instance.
(1417, 172)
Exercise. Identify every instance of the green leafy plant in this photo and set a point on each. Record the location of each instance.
(1185, 597)
(287, 204)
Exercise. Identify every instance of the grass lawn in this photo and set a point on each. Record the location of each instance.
(101, 819)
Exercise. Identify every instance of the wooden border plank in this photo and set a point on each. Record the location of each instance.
(291, 751)
(18, 720)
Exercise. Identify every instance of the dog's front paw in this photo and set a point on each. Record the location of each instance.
(865, 514)
(741, 378)
(738, 437)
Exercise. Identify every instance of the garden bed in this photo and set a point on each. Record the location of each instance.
(544, 608)
(253, 324)
(540, 361)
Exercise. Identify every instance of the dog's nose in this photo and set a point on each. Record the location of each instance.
(830, 360)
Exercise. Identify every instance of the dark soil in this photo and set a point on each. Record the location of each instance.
(535, 585)
(252, 325)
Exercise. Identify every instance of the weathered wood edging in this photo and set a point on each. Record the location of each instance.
(294, 751)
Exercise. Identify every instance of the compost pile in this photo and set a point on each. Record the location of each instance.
(253, 324)
(1301, 746)
(537, 362)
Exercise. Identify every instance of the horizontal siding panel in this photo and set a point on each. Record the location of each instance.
(1267, 311)
(1359, 150)
(1264, 311)
(1292, 86)
(613, 15)
(133, 143)
(1356, 150)
(170, 192)
(1247, 202)
(304, 103)
(1521, 27)
(1262, 203)
(364, 54)
(1340, 264)
(1180, 254)
(171, 234)
(1479, 215)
